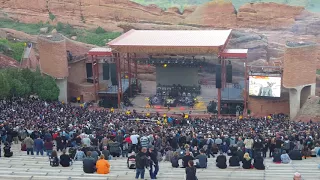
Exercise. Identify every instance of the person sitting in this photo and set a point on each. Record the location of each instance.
(195, 151)
(285, 159)
(94, 154)
(276, 156)
(221, 161)
(114, 149)
(203, 160)
(239, 153)
(246, 161)
(234, 161)
(106, 153)
(7, 150)
(258, 162)
(79, 155)
(131, 162)
(168, 154)
(65, 159)
(315, 150)
(295, 154)
(191, 171)
(102, 166)
(224, 147)
(215, 149)
(306, 152)
(89, 163)
(186, 159)
(54, 160)
(175, 160)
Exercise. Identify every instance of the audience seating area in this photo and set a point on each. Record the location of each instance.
(23, 167)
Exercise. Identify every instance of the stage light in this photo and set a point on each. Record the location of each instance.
(165, 65)
(176, 61)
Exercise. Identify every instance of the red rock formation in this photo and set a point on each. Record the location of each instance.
(174, 10)
(188, 10)
(110, 14)
(267, 15)
(214, 14)
(6, 62)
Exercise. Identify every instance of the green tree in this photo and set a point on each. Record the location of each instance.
(60, 27)
(51, 16)
(4, 86)
(100, 30)
(29, 77)
(46, 88)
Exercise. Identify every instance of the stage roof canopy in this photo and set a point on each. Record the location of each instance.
(171, 41)
(100, 52)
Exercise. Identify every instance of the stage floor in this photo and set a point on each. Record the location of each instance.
(140, 102)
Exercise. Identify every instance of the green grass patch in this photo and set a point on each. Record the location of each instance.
(12, 49)
(27, 28)
(318, 71)
(96, 36)
(90, 37)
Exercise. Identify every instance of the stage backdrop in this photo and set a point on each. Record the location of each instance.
(265, 86)
(186, 76)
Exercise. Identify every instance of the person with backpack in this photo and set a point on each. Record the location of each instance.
(54, 160)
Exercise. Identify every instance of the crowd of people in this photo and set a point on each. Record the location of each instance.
(96, 136)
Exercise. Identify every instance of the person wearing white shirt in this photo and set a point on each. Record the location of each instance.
(134, 139)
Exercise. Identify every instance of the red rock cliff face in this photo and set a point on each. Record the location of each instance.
(267, 15)
(111, 14)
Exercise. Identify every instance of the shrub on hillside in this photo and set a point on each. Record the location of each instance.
(26, 82)
(100, 30)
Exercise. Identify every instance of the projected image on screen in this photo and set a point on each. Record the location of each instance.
(265, 86)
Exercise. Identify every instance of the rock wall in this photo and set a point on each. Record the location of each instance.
(267, 15)
(111, 14)
(310, 110)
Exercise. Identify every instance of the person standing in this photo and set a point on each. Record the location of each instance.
(29, 144)
(141, 163)
(134, 139)
(154, 163)
(38, 143)
(248, 143)
(48, 146)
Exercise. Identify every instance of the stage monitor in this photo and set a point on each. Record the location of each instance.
(265, 86)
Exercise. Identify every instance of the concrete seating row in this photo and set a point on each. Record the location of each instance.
(21, 167)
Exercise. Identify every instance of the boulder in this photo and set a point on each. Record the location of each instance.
(214, 14)
(74, 37)
(174, 10)
(54, 31)
(44, 30)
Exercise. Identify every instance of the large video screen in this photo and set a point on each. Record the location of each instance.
(265, 86)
